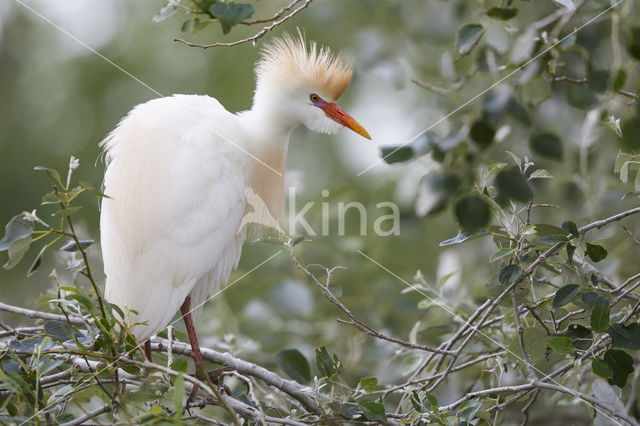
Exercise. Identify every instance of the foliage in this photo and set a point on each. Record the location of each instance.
(522, 187)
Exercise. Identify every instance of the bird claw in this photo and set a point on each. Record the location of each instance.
(212, 375)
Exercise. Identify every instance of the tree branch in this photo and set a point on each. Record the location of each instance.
(254, 38)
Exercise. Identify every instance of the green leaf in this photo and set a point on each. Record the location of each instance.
(600, 318)
(502, 13)
(536, 91)
(17, 229)
(596, 252)
(431, 398)
(50, 198)
(581, 336)
(231, 13)
(592, 299)
(67, 211)
(625, 336)
(89, 187)
(621, 364)
(71, 246)
(368, 384)
(630, 131)
(547, 145)
(324, 363)
(468, 410)
(601, 368)
(482, 133)
(178, 395)
(561, 345)
(468, 36)
(61, 330)
(179, 364)
(540, 174)
(597, 80)
(462, 237)
(74, 192)
(629, 195)
(503, 252)
(473, 213)
(83, 299)
(168, 10)
(543, 229)
(295, 365)
(553, 239)
(509, 274)
(564, 295)
(581, 96)
(396, 154)
(190, 25)
(571, 249)
(535, 340)
(54, 174)
(373, 411)
(633, 42)
(17, 250)
(440, 187)
(570, 228)
(512, 184)
(620, 79)
(36, 262)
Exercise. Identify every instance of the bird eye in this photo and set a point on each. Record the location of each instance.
(314, 98)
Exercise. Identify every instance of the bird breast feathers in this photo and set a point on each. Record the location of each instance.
(177, 189)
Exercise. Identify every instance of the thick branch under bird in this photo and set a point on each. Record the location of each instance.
(178, 172)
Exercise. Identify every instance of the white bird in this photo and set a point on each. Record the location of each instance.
(178, 171)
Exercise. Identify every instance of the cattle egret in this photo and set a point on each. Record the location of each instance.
(178, 171)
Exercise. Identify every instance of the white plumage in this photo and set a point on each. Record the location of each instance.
(178, 169)
(173, 183)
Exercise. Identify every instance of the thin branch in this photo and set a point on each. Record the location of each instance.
(355, 322)
(30, 313)
(527, 406)
(633, 237)
(603, 222)
(555, 79)
(88, 416)
(520, 332)
(291, 387)
(432, 88)
(254, 38)
(277, 15)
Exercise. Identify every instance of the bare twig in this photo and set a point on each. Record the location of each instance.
(432, 88)
(88, 416)
(520, 332)
(254, 38)
(355, 322)
(555, 78)
(30, 313)
(277, 15)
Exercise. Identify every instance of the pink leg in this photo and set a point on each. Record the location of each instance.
(147, 350)
(195, 347)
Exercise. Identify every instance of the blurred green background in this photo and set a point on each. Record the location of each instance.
(60, 99)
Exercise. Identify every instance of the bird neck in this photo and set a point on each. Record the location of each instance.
(267, 141)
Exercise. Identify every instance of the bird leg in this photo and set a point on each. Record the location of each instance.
(147, 350)
(201, 371)
(193, 339)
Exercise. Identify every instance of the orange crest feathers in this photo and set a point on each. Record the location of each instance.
(287, 59)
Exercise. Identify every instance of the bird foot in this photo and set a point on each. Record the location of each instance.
(212, 375)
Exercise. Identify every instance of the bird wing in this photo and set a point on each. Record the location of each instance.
(177, 192)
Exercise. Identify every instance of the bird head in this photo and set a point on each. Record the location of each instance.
(302, 84)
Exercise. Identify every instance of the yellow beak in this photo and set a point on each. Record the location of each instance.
(336, 113)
